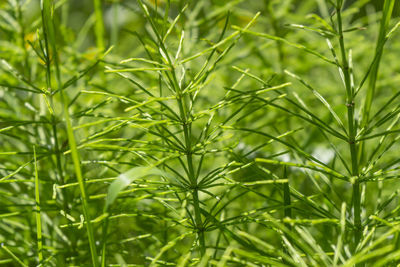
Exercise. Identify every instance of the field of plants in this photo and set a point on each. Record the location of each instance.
(199, 133)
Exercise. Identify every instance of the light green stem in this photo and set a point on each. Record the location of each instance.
(99, 25)
(38, 215)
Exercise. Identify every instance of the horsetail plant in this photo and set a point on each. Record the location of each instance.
(199, 133)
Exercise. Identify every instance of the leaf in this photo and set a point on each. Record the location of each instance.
(127, 178)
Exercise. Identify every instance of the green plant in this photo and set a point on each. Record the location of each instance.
(199, 133)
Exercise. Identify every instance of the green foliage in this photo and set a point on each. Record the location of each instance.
(199, 133)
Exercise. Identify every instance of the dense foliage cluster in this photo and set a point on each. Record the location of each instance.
(199, 133)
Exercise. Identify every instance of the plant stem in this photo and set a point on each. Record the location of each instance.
(277, 32)
(186, 127)
(38, 218)
(18, 13)
(384, 24)
(286, 197)
(287, 208)
(352, 130)
(50, 40)
(387, 13)
(99, 26)
(104, 240)
(81, 181)
(192, 176)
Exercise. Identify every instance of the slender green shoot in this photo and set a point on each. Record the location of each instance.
(38, 214)
(99, 25)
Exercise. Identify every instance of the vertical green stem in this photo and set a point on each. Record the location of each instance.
(104, 240)
(50, 41)
(192, 176)
(186, 127)
(38, 218)
(114, 25)
(81, 181)
(286, 197)
(99, 31)
(352, 130)
(287, 208)
(277, 32)
(99, 25)
(384, 24)
(387, 13)
(18, 13)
